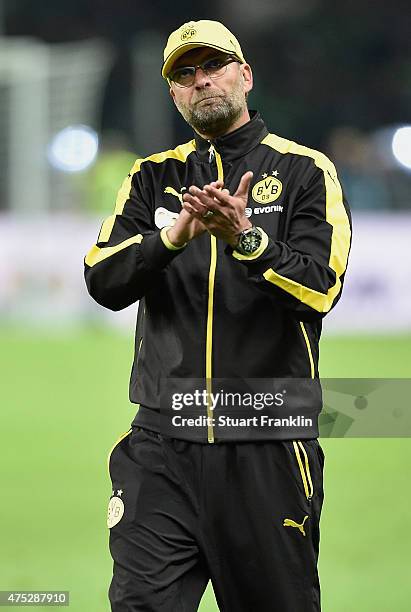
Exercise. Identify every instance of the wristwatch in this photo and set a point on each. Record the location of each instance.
(249, 241)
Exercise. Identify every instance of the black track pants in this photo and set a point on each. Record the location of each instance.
(243, 514)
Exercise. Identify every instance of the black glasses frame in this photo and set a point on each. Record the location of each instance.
(225, 62)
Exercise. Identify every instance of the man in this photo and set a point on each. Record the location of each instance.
(236, 245)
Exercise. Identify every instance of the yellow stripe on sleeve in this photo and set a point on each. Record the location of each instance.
(336, 216)
(97, 254)
(179, 153)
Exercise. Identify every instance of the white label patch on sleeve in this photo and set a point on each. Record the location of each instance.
(164, 217)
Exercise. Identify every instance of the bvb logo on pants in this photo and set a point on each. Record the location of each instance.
(115, 510)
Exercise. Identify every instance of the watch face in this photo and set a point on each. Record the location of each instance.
(249, 241)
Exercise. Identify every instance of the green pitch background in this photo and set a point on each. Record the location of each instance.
(64, 403)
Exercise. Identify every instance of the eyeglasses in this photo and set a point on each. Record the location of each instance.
(214, 68)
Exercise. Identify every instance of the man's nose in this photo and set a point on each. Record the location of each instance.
(201, 79)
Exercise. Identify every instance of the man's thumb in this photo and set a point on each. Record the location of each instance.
(244, 185)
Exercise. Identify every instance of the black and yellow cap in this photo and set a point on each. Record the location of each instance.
(203, 33)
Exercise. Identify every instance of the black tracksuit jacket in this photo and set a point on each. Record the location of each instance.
(205, 312)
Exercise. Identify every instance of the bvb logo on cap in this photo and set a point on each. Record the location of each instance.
(188, 32)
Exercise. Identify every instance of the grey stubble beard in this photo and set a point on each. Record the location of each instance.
(215, 119)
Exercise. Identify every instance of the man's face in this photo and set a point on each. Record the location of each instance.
(212, 106)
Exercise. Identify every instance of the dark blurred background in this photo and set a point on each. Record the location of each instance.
(319, 65)
(333, 76)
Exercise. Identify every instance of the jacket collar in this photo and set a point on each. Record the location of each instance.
(235, 144)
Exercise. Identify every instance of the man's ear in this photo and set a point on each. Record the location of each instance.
(247, 75)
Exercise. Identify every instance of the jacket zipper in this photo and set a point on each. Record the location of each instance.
(210, 309)
(304, 466)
